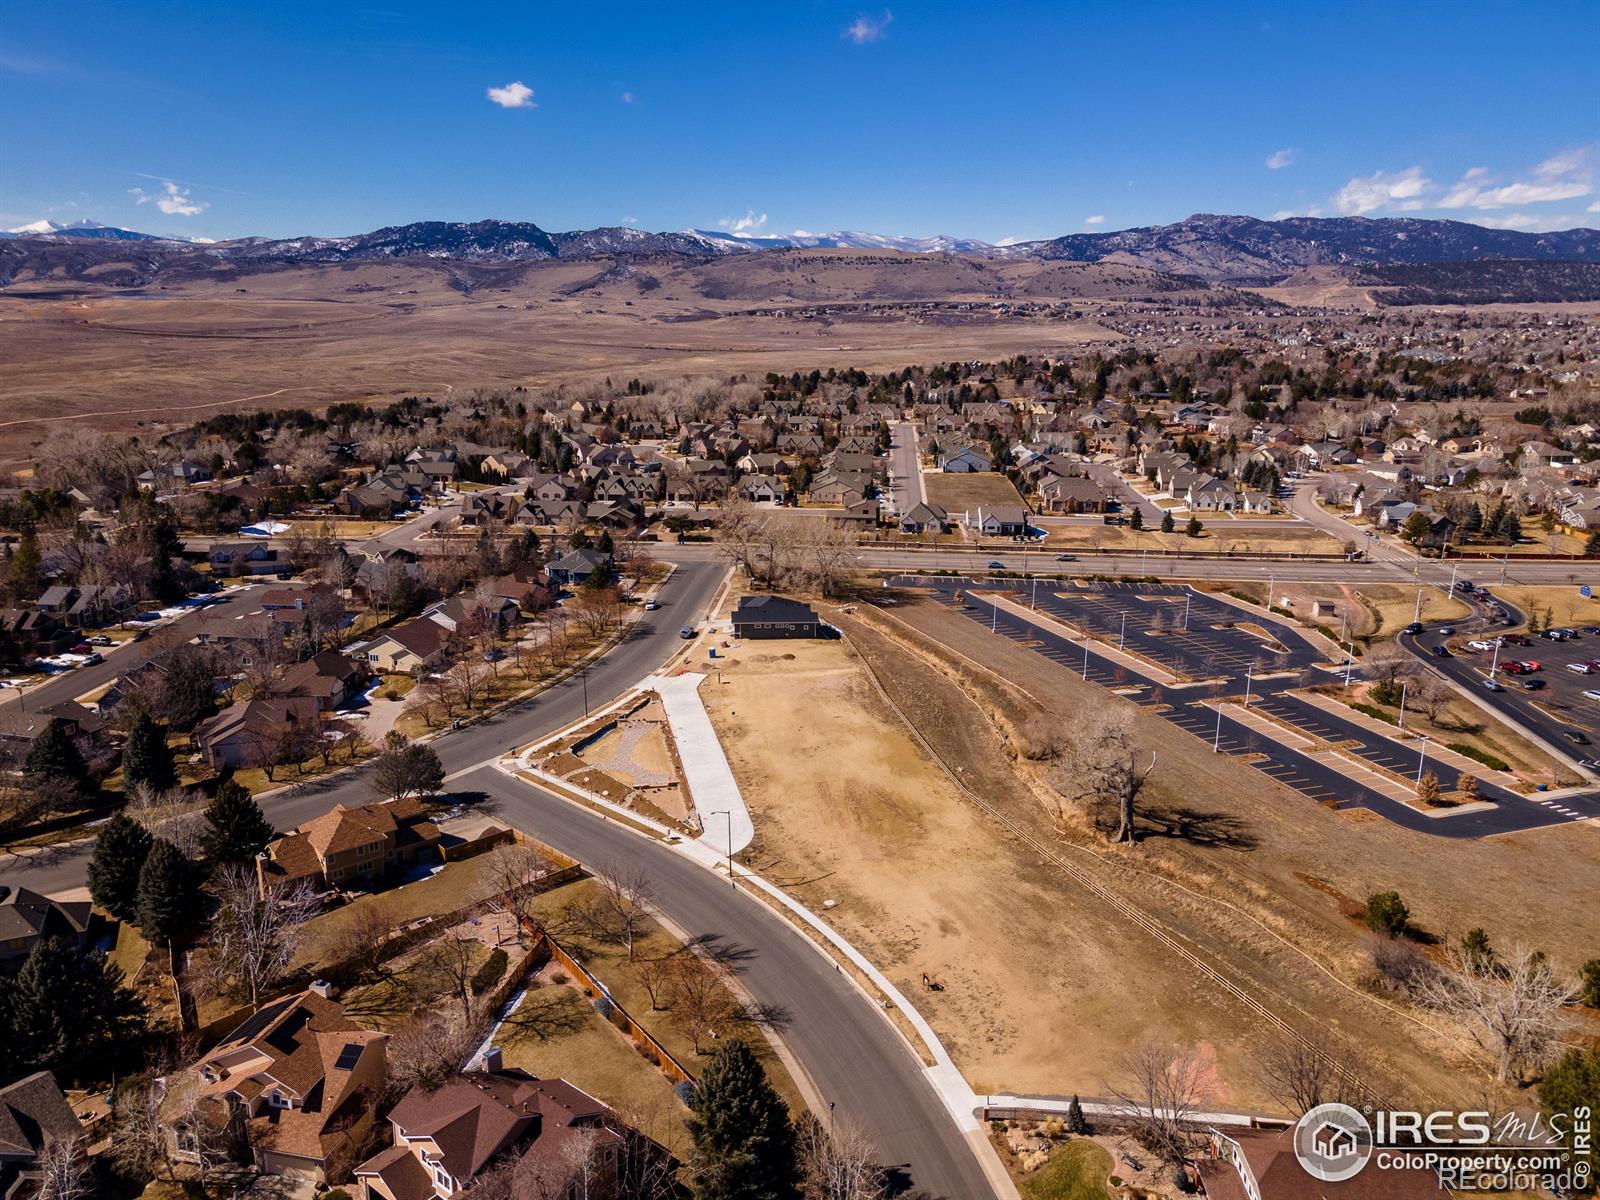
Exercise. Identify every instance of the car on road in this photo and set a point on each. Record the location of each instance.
(1576, 737)
(1065, 558)
(651, 605)
(1446, 630)
(1531, 685)
(1464, 585)
(93, 657)
(1441, 652)
(1414, 628)
(687, 633)
(1591, 694)
(1494, 685)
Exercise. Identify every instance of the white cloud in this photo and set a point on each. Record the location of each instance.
(1097, 219)
(1396, 191)
(628, 97)
(1285, 213)
(173, 200)
(1532, 222)
(630, 220)
(1595, 207)
(865, 30)
(513, 95)
(749, 223)
(1564, 176)
(1280, 159)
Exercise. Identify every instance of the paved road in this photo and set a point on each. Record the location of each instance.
(853, 1055)
(905, 469)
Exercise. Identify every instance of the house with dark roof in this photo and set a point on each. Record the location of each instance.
(445, 1137)
(576, 566)
(295, 1083)
(26, 918)
(417, 645)
(775, 617)
(250, 733)
(925, 518)
(34, 1115)
(346, 846)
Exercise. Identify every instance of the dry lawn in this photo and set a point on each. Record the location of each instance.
(1217, 535)
(1562, 605)
(956, 492)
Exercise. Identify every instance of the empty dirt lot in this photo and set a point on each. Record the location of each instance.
(959, 491)
(1043, 980)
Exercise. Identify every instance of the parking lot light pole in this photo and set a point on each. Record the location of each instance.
(1402, 722)
(1249, 673)
(1216, 742)
(1123, 635)
(1418, 615)
(1086, 656)
(1422, 757)
(1187, 596)
(1494, 662)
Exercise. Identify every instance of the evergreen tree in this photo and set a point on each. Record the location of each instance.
(169, 895)
(70, 1013)
(1167, 523)
(119, 853)
(1467, 785)
(1476, 951)
(1473, 523)
(1591, 547)
(1136, 520)
(1076, 1123)
(146, 758)
(25, 563)
(54, 755)
(1589, 983)
(1511, 528)
(1428, 788)
(1570, 1084)
(1193, 528)
(236, 830)
(1387, 914)
(744, 1145)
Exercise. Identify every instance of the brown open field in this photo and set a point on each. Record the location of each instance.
(958, 492)
(318, 334)
(1043, 979)
(1215, 535)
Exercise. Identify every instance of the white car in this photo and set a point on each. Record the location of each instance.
(1582, 668)
(1592, 694)
(1480, 645)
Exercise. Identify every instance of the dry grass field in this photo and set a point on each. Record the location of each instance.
(1042, 979)
(956, 493)
(313, 335)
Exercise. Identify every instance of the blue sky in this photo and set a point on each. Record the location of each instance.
(996, 120)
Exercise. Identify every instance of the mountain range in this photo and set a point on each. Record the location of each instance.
(1216, 249)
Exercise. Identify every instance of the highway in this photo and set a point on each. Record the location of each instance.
(854, 1057)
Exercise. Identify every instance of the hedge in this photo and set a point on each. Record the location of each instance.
(1493, 762)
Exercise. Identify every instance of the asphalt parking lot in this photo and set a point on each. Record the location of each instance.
(1198, 638)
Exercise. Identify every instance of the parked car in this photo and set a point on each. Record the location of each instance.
(1580, 668)
(1591, 628)
(1576, 737)
(1494, 685)
(1480, 645)
(93, 657)
(1514, 668)
(1531, 664)
(101, 639)
(1515, 639)
(1530, 684)
(687, 633)
(82, 648)
(1591, 694)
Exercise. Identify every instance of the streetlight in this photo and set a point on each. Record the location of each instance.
(1418, 615)
(1249, 673)
(1422, 757)
(1123, 633)
(1086, 656)
(1404, 683)
(1216, 741)
(727, 822)
(1494, 661)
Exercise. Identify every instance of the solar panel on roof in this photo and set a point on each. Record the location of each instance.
(347, 1057)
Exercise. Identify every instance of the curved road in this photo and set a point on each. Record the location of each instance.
(855, 1058)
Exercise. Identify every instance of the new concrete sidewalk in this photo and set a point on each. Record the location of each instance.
(725, 823)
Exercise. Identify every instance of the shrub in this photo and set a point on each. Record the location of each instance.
(1493, 762)
(1400, 967)
(684, 1090)
(604, 1007)
(490, 972)
(1387, 914)
(1589, 983)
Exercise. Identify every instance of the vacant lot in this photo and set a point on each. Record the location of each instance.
(1555, 605)
(956, 493)
(1216, 536)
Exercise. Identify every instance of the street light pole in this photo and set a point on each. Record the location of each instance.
(1186, 598)
(1216, 741)
(1249, 673)
(1494, 661)
(1422, 757)
(1086, 656)
(1403, 685)
(727, 823)
(1123, 634)
(1418, 615)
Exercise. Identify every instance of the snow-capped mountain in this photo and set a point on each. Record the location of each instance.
(88, 229)
(736, 243)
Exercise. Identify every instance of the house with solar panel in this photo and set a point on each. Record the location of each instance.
(295, 1086)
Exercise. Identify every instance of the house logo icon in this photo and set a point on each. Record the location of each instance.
(1333, 1142)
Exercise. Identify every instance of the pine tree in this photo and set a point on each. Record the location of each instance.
(1136, 521)
(119, 853)
(1167, 523)
(1076, 1123)
(54, 755)
(1474, 521)
(1467, 785)
(25, 563)
(1511, 528)
(146, 758)
(236, 830)
(1193, 528)
(744, 1145)
(169, 893)
(1591, 548)
(1428, 788)
(1476, 951)
(70, 1013)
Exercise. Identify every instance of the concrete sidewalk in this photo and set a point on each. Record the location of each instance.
(725, 823)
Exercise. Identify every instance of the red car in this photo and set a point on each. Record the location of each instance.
(1514, 668)
(1514, 639)
(83, 648)
(1531, 665)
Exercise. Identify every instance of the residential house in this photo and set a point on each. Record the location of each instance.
(775, 617)
(348, 846)
(329, 678)
(575, 566)
(996, 520)
(409, 648)
(242, 558)
(965, 460)
(1071, 494)
(925, 518)
(295, 1084)
(34, 1116)
(26, 918)
(445, 1137)
(833, 489)
(1250, 1164)
(253, 733)
(764, 489)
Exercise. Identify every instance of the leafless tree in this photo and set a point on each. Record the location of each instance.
(64, 1167)
(1105, 765)
(597, 610)
(703, 1004)
(509, 883)
(429, 1049)
(740, 528)
(1302, 1073)
(138, 1144)
(1387, 664)
(256, 935)
(1512, 1007)
(655, 976)
(453, 959)
(1166, 1087)
(1428, 694)
(829, 552)
(174, 814)
(838, 1162)
(620, 910)
(361, 946)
